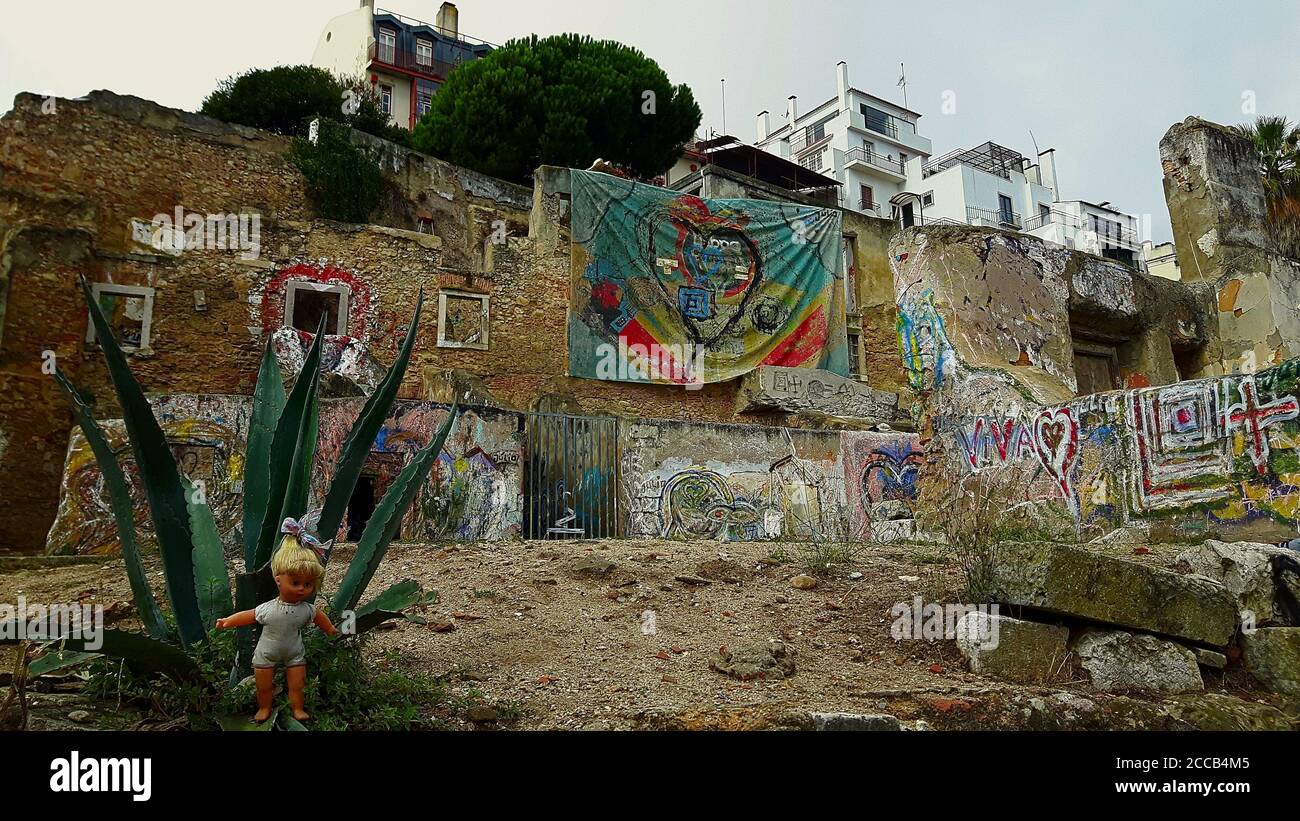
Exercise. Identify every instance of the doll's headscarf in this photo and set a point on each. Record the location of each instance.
(302, 529)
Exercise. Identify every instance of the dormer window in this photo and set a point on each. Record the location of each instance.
(424, 52)
(387, 46)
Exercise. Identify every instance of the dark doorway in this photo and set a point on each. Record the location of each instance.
(309, 306)
(360, 507)
(908, 219)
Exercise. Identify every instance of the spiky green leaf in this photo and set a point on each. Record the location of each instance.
(141, 653)
(293, 449)
(211, 579)
(55, 660)
(119, 498)
(162, 482)
(268, 404)
(387, 518)
(362, 436)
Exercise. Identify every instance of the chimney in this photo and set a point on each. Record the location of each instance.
(842, 84)
(368, 4)
(792, 109)
(448, 19)
(764, 125)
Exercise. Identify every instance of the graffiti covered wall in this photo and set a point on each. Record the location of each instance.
(731, 482)
(473, 491)
(672, 288)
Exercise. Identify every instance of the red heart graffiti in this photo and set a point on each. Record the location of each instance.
(1056, 440)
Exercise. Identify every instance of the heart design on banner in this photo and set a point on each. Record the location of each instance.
(1056, 440)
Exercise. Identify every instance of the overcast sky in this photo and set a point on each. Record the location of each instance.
(1098, 81)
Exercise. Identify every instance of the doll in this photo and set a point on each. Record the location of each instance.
(297, 568)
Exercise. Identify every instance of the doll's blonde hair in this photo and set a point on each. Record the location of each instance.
(295, 558)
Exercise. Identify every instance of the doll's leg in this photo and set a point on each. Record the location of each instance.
(265, 678)
(295, 677)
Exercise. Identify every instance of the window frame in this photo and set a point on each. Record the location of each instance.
(387, 38)
(130, 292)
(419, 43)
(291, 289)
(485, 312)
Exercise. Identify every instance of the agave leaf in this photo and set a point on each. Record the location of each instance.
(387, 518)
(361, 438)
(288, 722)
(211, 579)
(119, 495)
(268, 404)
(162, 482)
(245, 637)
(244, 724)
(141, 653)
(294, 432)
(54, 660)
(392, 604)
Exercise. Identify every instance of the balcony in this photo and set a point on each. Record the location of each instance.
(860, 154)
(899, 130)
(410, 61)
(990, 158)
(869, 207)
(993, 217)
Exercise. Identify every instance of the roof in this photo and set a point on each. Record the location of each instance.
(729, 152)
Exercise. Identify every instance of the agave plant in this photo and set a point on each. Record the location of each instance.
(280, 452)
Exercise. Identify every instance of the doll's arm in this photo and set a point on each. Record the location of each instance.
(323, 622)
(243, 618)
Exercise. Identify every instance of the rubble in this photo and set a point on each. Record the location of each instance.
(1118, 661)
(1021, 651)
(1272, 656)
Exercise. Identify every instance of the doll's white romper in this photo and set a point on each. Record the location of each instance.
(281, 641)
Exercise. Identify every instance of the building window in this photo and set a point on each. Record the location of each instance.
(868, 199)
(386, 99)
(812, 161)
(387, 46)
(424, 52)
(1005, 212)
(129, 311)
(902, 157)
(306, 301)
(855, 355)
(927, 198)
(462, 320)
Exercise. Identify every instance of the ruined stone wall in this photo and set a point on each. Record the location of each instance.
(1227, 243)
(988, 322)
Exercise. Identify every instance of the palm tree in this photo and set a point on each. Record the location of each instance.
(1277, 144)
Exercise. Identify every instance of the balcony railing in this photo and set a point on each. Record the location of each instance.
(411, 22)
(869, 207)
(411, 61)
(992, 216)
(1053, 216)
(861, 154)
(887, 124)
(805, 137)
(1109, 234)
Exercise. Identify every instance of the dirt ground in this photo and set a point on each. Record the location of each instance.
(620, 634)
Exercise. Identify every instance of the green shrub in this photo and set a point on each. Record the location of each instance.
(563, 100)
(283, 100)
(343, 181)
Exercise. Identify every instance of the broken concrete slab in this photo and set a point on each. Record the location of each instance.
(1272, 656)
(1210, 658)
(1118, 661)
(805, 390)
(1023, 651)
(1073, 580)
(1245, 568)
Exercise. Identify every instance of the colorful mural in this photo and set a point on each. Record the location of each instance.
(878, 467)
(675, 289)
(1221, 450)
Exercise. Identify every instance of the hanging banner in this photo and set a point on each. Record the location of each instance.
(675, 289)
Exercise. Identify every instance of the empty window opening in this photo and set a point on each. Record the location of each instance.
(360, 507)
(129, 311)
(306, 302)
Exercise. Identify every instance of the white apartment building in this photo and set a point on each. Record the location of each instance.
(1094, 228)
(986, 185)
(867, 143)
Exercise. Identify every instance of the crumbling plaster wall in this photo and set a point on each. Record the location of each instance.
(1225, 241)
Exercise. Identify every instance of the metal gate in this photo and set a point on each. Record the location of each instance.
(571, 477)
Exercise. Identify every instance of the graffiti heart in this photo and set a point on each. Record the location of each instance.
(1056, 439)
